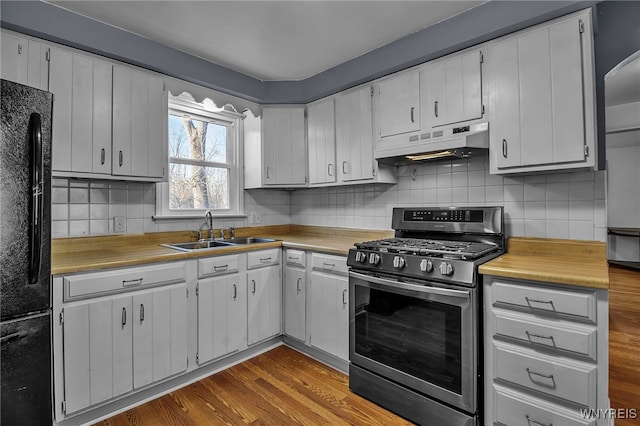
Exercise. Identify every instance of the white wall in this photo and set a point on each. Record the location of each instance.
(558, 205)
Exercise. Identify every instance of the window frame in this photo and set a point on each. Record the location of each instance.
(178, 106)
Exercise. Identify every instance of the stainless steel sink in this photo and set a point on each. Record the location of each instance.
(249, 240)
(198, 245)
(209, 244)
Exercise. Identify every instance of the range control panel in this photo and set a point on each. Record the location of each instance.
(466, 215)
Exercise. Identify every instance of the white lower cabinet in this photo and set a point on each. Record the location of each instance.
(295, 294)
(264, 295)
(545, 353)
(328, 305)
(119, 343)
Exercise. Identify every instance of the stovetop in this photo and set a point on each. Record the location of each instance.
(467, 250)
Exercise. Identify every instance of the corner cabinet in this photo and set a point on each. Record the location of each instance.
(24, 61)
(541, 97)
(546, 353)
(283, 146)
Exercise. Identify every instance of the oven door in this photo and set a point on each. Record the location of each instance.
(420, 335)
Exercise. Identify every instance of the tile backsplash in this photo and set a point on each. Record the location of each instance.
(555, 205)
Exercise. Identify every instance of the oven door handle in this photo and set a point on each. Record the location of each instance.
(461, 294)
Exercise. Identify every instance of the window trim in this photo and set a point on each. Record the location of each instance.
(180, 106)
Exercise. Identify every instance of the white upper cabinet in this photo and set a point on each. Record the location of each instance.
(321, 137)
(283, 146)
(541, 91)
(354, 137)
(81, 114)
(139, 124)
(454, 88)
(24, 61)
(399, 104)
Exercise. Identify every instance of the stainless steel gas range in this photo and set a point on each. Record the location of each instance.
(414, 325)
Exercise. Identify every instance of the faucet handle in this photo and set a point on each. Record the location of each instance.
(232, 231)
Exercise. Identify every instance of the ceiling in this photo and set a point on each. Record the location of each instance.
(271, 40)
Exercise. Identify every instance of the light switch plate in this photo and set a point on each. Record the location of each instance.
(119, 225)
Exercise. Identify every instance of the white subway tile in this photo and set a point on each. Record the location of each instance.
(78, 228)
(78, 211)
(59, 228)
(444, 196)
(514, 193)
(557, 210)
(459, 179)
(476, 195)
(98, 211)
(117, 196)
(430, 196)
(582, 190)
(443, 166)
(514, 228)
(444, 180)
(557, 191)
(459, 196)
(581, 230)
(98, 195)
(476, 178)
(59, 195)
(599, 214)
(534, 192)
(514, 211)
(429, 181)
(535, 228)
(558, 229)
(581, 210)
(534, 210)
(59, 212)
(582, 176)
(99, 227)
(494, 194)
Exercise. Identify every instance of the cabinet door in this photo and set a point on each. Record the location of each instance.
(82, 114)
(264, 306)
(138, 124)
(354, 138)
(284, 146)
(399, 100)
(294, 303)
(329, 314)
(24, 61)
(97, 345)
(455, 89)
(322, 142)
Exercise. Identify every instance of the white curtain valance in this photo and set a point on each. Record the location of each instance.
(222, 100)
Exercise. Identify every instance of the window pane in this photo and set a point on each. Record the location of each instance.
(198, 187)
(197, 140)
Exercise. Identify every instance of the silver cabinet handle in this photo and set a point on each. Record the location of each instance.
(344, 167)
(544, 376)
(265, 259)
(298, 285)
(136, 281)
(124, 317)
(330, 169)
(326, 265)
(531, 421)
(120, 158)
(235, 292)
(504, 148)
(268, 172)
(547, 302)
(19, 49)
(412, 118)
(254, 286)
(295, 259)
(221, 268)
(103, 154)
(141, 312)
(539, 336)
(344, 294)
(435, 108)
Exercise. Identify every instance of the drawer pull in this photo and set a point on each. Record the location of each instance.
(344, 294)
(265, 259)
(293, 259)
(298, 285)
(137, 281)
(546, 302)
(330, 266)
(221, 268)
(539, 336)
(141, 313)
(544, 376)
(235, 292)
(253, 291)
(124, 317)
(531, 421)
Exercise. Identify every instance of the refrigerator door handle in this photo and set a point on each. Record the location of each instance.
(37, 206)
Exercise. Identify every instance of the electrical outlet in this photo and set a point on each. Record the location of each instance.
(119, 225)
(254, 218)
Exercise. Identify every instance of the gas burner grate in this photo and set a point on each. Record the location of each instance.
(430, 247)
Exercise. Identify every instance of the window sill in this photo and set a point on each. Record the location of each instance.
(159, 218)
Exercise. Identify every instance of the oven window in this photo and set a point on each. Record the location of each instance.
(418, 337)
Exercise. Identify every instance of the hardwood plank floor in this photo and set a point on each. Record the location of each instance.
(624, 342)
(279, 387)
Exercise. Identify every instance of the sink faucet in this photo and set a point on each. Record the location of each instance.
(209, 217)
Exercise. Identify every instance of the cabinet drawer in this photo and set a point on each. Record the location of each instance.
(516, 409)
(217, 266)
(560, 377)
(258, 259)
(296, 258)
(330, 264)
(575, 303)
(77, 286)
(538, 332)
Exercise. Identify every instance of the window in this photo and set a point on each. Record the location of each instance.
(203, 155)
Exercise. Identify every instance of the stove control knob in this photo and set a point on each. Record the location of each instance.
(398, 262)
(374, 258)
(361, 257)
(426, 265)
(446, 268)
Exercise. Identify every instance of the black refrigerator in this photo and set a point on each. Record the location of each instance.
(25, 255)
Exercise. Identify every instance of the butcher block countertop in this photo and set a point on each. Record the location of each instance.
(71, 255)
(571, 262)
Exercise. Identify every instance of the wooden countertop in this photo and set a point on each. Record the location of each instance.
(70, 255)
(571, 262)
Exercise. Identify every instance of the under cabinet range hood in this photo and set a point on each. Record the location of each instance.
(450, 142)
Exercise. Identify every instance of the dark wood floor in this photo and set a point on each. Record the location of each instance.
(284, 387)
(280, 387)
(624, 342)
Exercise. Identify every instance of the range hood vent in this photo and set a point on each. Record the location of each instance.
(451, 142)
